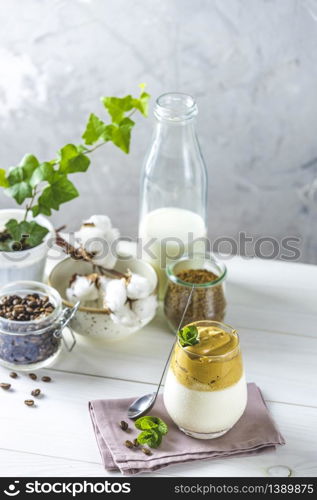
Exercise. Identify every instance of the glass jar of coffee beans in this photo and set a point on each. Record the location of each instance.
(30, 325)
(206, 275)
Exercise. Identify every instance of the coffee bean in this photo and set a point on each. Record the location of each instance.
(36, 392)
(29, 402)
(136, 443)
(13, 375)
(5, 386)
(46, 379)
(128, 444)
(25, 308)
(124, 426)
(33, 376)
(146, 451)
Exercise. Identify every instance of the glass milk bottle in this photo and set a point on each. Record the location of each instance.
(173, 186)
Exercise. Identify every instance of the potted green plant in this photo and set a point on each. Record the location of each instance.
(44, 186)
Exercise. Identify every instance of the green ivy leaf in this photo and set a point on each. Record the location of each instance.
(107, 134)
(151, 437)
(94, 129)
(117, 106)
(188, 336)
(3, 179)
(146, 423)
(29, 163)
(44, 172)
(59, 191)
(121, 134)
(71, 160)
(26, 234)
(142, 103)
(19, 190)
(19, 179)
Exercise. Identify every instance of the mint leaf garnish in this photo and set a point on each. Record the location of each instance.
(188, 336)
(151, 437)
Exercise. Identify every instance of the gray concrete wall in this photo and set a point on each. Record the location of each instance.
(251, 64)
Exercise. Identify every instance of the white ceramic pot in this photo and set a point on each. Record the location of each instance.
(27, 264)
(96, 322)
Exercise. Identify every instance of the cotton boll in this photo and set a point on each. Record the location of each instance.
(125, 317)
(82, 288)
(138, 287)
(92, 239)
(96, 236)
(145, 309)
(102, 222)
(116, 294)
(103, 282)
(106, 261)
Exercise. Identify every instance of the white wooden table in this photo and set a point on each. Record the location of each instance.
(274, 307)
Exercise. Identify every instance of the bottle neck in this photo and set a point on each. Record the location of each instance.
(171, 137)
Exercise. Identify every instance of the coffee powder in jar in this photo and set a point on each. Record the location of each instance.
(208, 298)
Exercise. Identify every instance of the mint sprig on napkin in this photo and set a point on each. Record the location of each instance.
(153, 430)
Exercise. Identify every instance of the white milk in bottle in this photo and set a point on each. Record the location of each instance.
(166, 234)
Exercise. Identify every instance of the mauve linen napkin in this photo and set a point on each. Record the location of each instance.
(255, 432)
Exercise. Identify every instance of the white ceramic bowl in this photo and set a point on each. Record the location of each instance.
(88, 320)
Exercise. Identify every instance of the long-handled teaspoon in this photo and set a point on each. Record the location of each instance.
(143, 404)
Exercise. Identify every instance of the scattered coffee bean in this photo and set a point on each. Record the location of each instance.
(13, 375)
(146, 451)
(124, 425)
(33, 376)
(5, 386)
(128, 444)
(36, 392)
(29, 402)
(136, 443)
(46, 379)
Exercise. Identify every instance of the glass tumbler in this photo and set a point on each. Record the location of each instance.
(205, 391)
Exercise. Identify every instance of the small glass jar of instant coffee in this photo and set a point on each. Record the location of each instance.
(31, 324)
(206, 275)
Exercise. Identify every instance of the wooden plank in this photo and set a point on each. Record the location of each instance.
(60, 428)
